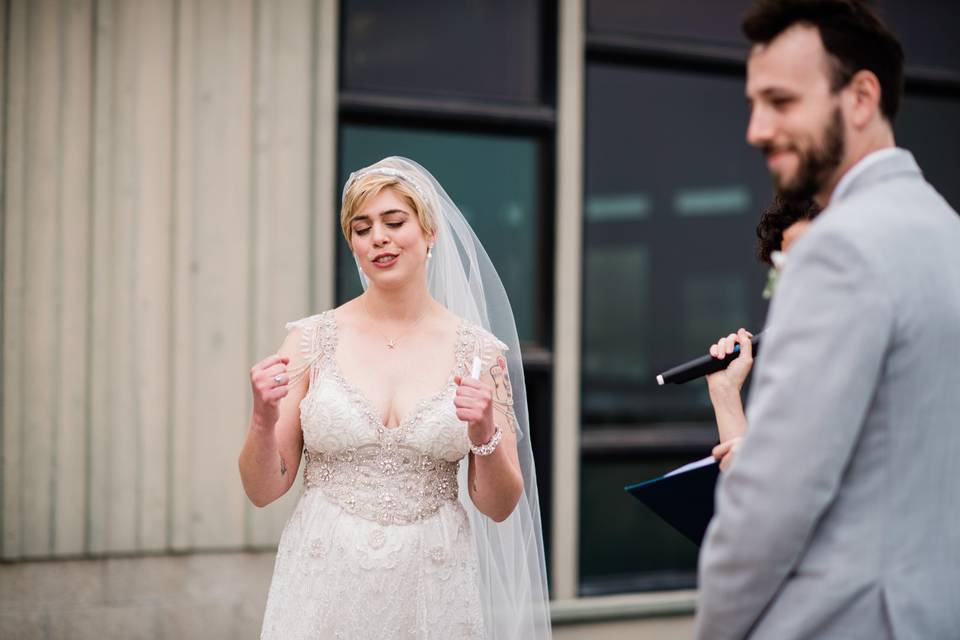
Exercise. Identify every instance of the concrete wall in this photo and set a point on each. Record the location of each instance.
(210, 596)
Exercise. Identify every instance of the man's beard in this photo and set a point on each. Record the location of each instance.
(816, 165)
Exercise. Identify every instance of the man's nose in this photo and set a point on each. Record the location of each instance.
(760, 128)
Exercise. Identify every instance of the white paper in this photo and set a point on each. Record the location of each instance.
(691, 466)
(475, 371)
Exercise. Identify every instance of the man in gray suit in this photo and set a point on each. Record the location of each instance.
(839, 516)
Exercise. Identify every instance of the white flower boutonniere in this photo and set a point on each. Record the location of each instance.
(779, 259)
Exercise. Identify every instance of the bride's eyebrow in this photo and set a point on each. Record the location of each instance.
(367, 219)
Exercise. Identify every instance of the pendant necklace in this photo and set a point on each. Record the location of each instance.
(392, 343)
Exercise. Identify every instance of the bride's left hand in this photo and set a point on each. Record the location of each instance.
(474, 403)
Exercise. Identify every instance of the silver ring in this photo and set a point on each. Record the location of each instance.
(278, 380)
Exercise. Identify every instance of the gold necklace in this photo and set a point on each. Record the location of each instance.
(392, 344)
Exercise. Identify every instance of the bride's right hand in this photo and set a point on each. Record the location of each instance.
(270, 384)
(732, 378)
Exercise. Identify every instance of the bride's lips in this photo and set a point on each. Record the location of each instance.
(385, 260)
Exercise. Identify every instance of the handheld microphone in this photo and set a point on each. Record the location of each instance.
(704, 365)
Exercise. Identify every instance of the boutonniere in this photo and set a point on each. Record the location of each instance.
(779, 259)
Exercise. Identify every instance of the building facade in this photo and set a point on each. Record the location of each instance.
(170, 184)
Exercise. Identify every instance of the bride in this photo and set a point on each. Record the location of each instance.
(419, 514)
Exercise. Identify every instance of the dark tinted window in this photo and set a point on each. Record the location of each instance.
(489, 49)
(673, 195)
(623, 545)
(683, 21)
(927, 29)
(929, 126)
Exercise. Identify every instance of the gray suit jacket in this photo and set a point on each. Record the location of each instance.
(840, 517)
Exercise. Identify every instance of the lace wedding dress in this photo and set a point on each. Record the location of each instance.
(379, 545)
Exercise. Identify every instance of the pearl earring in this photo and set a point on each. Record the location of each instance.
(429, 252)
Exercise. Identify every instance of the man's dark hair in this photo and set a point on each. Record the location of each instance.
(853, 35)
(778, 216)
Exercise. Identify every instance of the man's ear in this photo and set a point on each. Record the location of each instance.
(863, 98)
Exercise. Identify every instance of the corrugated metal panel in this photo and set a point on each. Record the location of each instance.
(161, 175)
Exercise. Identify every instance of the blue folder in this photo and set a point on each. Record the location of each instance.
(683, 498)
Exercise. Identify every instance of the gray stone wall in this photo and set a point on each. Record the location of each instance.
(208, 596)
(213, 596)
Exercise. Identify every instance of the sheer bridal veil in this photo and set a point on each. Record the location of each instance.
(463, 279)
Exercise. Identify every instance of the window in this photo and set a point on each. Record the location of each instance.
(490, 50)
(670, 22)
(929, 127)
(672, 197)
(492, 178)
(481, 118)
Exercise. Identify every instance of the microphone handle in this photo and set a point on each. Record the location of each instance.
(704, 365)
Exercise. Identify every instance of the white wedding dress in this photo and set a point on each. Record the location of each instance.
(379, 545)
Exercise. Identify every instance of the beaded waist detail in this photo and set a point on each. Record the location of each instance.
(386, 483)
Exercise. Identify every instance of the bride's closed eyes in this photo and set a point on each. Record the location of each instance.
(396, 220)
(362, 231)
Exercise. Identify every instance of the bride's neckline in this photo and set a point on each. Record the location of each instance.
(364, 402)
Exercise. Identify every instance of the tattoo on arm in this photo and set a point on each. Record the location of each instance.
(283, 467)
(503, 391)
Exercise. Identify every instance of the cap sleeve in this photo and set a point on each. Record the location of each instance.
(313, 330)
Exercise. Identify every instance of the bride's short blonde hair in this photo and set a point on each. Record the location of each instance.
(367, 186)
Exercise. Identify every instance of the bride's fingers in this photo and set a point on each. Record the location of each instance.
(270, 361)
(469, 415)
(469, 403)
(479, 394)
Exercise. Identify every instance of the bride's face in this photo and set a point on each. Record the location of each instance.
(388, 241)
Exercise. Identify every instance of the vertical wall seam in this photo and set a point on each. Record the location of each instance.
(3, 261)
(24, 239)
(110, 213)
(253, 227)
(194, 261)
(57, 409)
(172, 280)
(313, 132)
(91, 251)
(136, 215)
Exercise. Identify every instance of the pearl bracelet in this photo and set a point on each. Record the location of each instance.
(488, 447)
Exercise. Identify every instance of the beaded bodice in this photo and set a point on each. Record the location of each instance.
(397, 475)
(388, 484)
